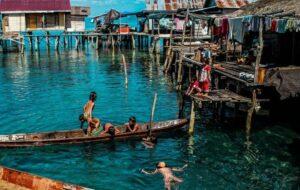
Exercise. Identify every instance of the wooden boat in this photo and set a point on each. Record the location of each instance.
(11, 179)
(78, 136)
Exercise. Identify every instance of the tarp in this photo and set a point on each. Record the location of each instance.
(286, 81)
(111, 16)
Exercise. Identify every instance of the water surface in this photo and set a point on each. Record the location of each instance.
(46, 91)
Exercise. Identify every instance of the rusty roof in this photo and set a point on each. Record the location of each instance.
(35, 6)
(261, 7)
(229, 4)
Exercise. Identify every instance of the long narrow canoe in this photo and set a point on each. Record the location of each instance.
(11, 179)
(78, 136)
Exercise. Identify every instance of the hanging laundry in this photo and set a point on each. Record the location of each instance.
(297, 25)
(268, 22)
(179, 24)
(273, 25)
(281, 23)
(236, 29)
(225, 26)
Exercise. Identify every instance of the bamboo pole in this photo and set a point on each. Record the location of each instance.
(184, 26)
(125, 69)
(260, 51)
(180, 71)
(152, 114)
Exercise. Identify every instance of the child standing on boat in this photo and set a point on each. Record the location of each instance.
(88, 109)
(166, 171)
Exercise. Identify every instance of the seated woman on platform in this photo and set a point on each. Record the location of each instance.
(132, 126)
(194, 87)
(108, 128)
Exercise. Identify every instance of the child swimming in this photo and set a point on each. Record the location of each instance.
(166, 171)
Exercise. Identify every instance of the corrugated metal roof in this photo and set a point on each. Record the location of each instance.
(236, 4)
(34, 5)
(231, 3)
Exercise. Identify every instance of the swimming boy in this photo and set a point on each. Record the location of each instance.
(166, 171)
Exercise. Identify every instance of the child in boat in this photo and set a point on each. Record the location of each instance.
(132, 126)
(88, 109)
(194, 87)
(108, 128)
(166, 171)
(205, 77)
(94, 127)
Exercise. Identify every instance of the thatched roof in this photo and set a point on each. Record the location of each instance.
(262, 7)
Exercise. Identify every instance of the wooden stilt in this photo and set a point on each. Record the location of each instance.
(249, 118)
(133, 41)
(180, 72)
(97, 42)
(260, 50)
(22, 45)
(37, 41)
(192, 119)
(76, 43)
(190, 74)
(170, 62)
(57, 43)
(48, 40)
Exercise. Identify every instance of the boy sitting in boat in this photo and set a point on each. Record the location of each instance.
(166, 171)
(88, 109)
(132, 126)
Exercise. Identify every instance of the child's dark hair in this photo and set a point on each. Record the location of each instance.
(93, 96)
(132, 118)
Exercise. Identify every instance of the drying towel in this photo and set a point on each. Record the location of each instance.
(236, 29)
(281, 25)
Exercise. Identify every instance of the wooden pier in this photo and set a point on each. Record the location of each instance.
(81, 40)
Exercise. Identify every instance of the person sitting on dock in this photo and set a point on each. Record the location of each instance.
(132, 126)
(108, 128)
(166, 171)
(194, 87)
(88, 109)
(205, 77)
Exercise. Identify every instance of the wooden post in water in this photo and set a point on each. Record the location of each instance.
(260, 50)
(47, 40)
(125, 70)
(249, 118)
(65, 40)
(76, 42)
(22, 44)
(37, 41)
(57, 43)
(133, 41)
(152, 114)
(97, 42)
(192, 118)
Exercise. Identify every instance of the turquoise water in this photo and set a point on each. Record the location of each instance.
(46, 91)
